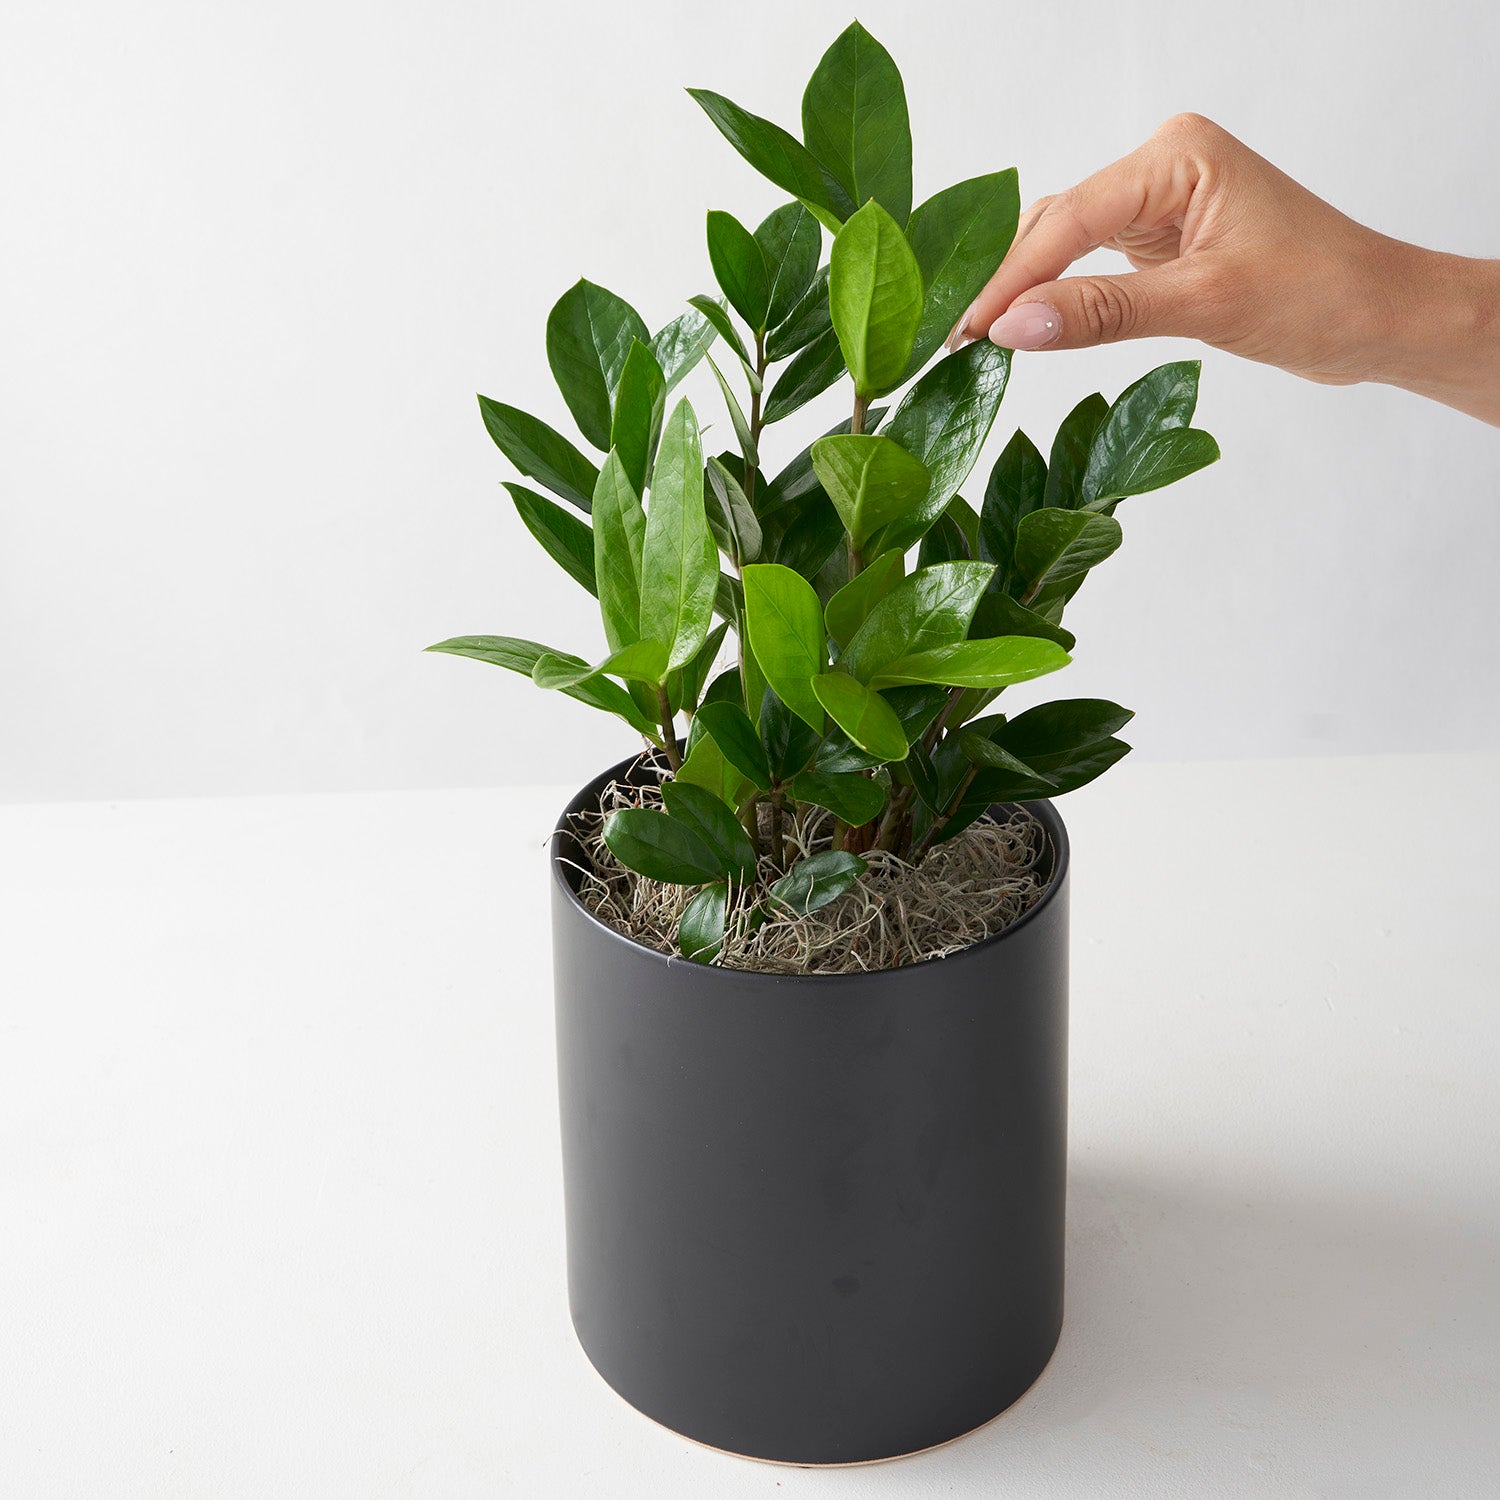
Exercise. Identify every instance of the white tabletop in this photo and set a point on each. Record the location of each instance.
(280, 1178)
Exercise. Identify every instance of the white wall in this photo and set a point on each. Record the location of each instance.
(255, 262)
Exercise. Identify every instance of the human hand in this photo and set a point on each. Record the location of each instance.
(1229, 250)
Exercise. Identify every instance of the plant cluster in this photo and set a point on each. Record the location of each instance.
(860, 680)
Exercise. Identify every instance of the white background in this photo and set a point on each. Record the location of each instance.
(256, 261)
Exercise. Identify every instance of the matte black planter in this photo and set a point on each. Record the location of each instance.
(814, 1219)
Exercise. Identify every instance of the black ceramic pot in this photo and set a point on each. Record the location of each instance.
(814, 1219)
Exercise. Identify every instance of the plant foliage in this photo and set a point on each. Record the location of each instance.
(860, 673)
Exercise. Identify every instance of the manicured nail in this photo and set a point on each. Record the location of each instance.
(1032, 325)
(961, 335)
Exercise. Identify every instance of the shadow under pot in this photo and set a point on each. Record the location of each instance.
(814, 1219)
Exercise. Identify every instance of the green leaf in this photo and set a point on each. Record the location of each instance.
(811, 373)
(693, 674)
(1016, 486)
(714, 822)
(661, 847)
(863, 715)
(680, 564)
(871, 480)
(959, 237)
(681, 344)
(855, 122)
(943, 420)
(540, 452)
(1065, 773)
(1054, 546)
(718, 319)
(1164, 460)
(1070, 453)
(739, 268)
(700, 929)
(738, 738)
(779, 156)
(851, 606)
(985, 752)
(848, 795)
(931, 608)
(798, 478)
(789, 740)
(589, 333)
(999, 614)
(1063, 726)
(619, 546)
(874, 298)
(813, 535)
(735, 527)
(640, 402)
(784, 622)
(706, 766)
(814, 882)
(518, 655)
(791, 243)
(1158, 402)
(568, 542)
(809, 319)
(736, 417)
(993, 663)
(944, 541)
(916, 708)
(640, 661)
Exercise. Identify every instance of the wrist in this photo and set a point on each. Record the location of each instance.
(1444, 338)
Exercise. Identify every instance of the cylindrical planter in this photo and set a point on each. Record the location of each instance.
(814, 1219)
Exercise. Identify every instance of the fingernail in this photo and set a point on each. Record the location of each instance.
(1031, 325)
(961, 335)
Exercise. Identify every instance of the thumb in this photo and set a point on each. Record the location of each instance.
(1082, 311)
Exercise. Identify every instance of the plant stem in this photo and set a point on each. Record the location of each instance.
(857, 421)
(778, 847)
(941, 821)
(755, 426)
(750, 821)
(939, 724)
(668, 730)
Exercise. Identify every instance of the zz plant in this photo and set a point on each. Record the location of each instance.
(861, 676)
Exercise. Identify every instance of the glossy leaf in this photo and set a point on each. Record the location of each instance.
(851, 606)
(719, 320)
(680, 564)
(1016, 487)
(736, 416)
(660, 847)
(798, 478)
(589, 333)
(1054, 546)
(778, 156)
(943, 420)
(813, 371)
(1160, 401)
(874, 298)
(681, 344)
(688, 680)
(518, 655)
(1065, 773)
(944, 541)
(812, 537)
(705, 766)
(863, 715)
(855, 122)
(738, 738)
(789, 740)
(848, 795)
(807, 320)
(1070, 453)
(816, 881)
(640, 403)
(983, 751)
(871, 480)
(640, 661)
(790, 242)
(931, 608)
(713, 821)
(1063, 726)
(784, 622)
(1000, 614)
(540, 452)
(993, 663)
(619, 547)
(1164, 460)
(730, 515)
(568, 542)
(700, 929)
(739, 268)
(915, 707)
(959, 237)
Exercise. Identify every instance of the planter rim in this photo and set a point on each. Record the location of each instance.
(1042, 809)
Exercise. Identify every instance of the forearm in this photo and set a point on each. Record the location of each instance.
(1444, 330)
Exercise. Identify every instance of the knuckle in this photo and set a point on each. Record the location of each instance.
(1189, 126)
(1108, 311)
